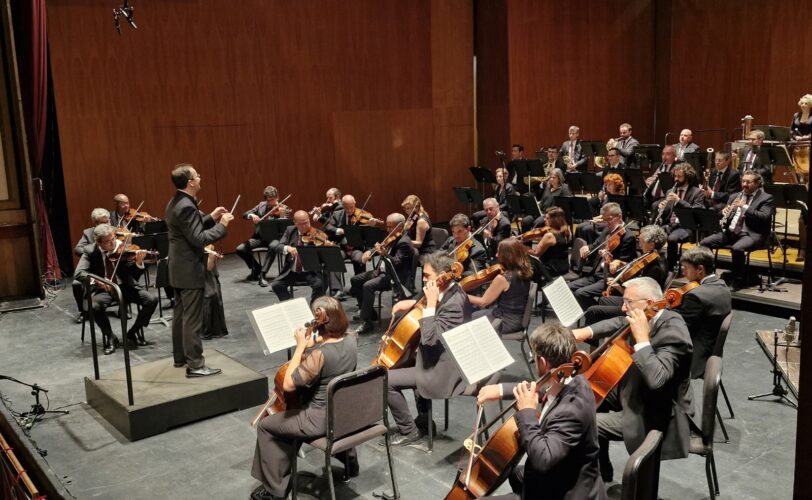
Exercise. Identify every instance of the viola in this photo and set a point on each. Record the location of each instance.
(386, 245)
(317, 238)
(631, 270)
(362, 217)
(611, 242)
(399, 344)
(129, 251)
(483, 277)
(280, 400)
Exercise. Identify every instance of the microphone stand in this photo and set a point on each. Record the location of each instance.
(29, 418)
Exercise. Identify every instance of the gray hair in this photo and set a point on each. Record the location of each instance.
(491, 201)
(439, 261)
(396, 218)
(559, 175)
(654, 235)
(574, 128)
(650, 287)
(611, 208)
(102, 231)
(758, 133)
(98, 214)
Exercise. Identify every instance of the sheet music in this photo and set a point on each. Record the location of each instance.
(476, 349)
(563, 302)
(274, 325)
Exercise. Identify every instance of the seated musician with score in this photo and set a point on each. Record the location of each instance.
(686, 193)
(349, 215)
(98, 216)
(723, 182)
(476, 257)
(400, 261)
(498, 226)
(745, 225)
(651, 239)
(420, 233)
(315, 362)
(655, 392)
(255, 215)
(292, 272)
(561, 444)
(434, 375)
(508, 292)
(107, 259)
(613, 184)
(553, 249)
(604, 261)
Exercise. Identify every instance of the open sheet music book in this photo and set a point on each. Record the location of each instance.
(274, 325)
(476, 349)
(563, 302)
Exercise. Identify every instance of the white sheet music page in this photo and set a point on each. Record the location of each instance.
(274, 325)
(477, 349)
(563, 302)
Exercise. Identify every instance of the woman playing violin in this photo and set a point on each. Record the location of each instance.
(553, 248)
(508, 291)
(420, 233)
(315, 362)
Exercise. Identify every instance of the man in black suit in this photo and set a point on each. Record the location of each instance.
(399, 261)
(342, 217)
(104, 259)
(588, 288)
(654, 192)
(332, 201)
(189, 233)
(686, 193)
(434, 376)
(460, 232)
(750, 159)
(98, 216)
(705, 307)
(686, 144)
(626, 144)
(572, 149)
(655, 392)
(255, 215)
(749, 218)
(723, 182)
(121, 211)
(498, 229)
(292, 271)
(562, 445)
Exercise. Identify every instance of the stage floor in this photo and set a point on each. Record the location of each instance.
(212, 458)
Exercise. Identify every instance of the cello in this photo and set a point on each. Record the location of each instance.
(399, 343)
(280, 400)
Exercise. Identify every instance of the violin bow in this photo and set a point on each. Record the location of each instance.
(126, 242)
(606, 241)
(364, 206)
(271, 209)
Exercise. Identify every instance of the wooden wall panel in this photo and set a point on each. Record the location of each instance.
(264, 92)
(492, 79)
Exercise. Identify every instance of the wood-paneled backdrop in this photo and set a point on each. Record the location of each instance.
(366, 95)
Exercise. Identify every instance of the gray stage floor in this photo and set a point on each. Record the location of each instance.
(212, 458)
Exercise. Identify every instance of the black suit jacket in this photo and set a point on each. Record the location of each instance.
(402, 257)
(655, 393)
(693, 198)
(562, 450)
(437, 375)
(651, 189)
(260, 210)
(336, 220)
(765, 170)
(626, 148)
(502, 194)
(576, 154)
(729, 184)
(502, 232)
(189, 233)
(85, 242)
(477, 256)
(92, 262)
(703, 309)
(289, 238)
(758, 216)
(690, 148)
(626, 251)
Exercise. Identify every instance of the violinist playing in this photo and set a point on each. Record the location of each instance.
(604, 261)
(349, 215)
(652, 239)
(255, 215)
(121, 211)
(475, 258)
(332, 201)
(508, 292)
(315, 362)
(655, 392)
(98, 216)
(102, 259)
(398, 258)
(419, 232)
(498, 226)
(553, 249)
(562, 444)
(292, 271)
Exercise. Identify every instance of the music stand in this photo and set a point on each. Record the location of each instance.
(591, 149)
(156, 226)
(469, 196)
(273, 229)
(483, 175)
(696, 160)
(372, 235)
(775, 155)
(585, 183)
(650, 153)
(774, 132)
(633, 207)
(698, 220)
(323, 260)
(354, 237)
(514, 204)
(634, 181)
(576, 208)
(529, 206)
(785, 196)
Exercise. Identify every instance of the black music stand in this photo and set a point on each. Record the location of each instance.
(591, 149)
(354, 236)
(520, 169)
(633, 207)
(157, 226)
(514, 203)
(323, 260)
(696, 160)
(482, 176)
(698, 220)
(648, 153)
(469, 196)
(785, 196)
(372, 235)
(530, 206)
(775, 132)
(634, 181)
(585, 183)
(273, 229)
(576, 208)
(776, 155)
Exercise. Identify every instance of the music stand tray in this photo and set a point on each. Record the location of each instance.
(372, 235)
(354, 236)
(273, 229)
(634, 180)
(156, 226)
(591, 183)
(482, 174)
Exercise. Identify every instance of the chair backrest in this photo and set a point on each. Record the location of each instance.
(438, 235)
(356, 401)
(415, 264)
(719, 348)
(641, 477)
(531, 301)
(710, 391)
(575, 254)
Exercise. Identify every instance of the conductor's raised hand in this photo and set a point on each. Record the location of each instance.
(226, 218)
(218, 212)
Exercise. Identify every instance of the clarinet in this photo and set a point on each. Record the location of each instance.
(659, 220)
(725, 220)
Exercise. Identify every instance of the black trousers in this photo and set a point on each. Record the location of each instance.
(738, 244)
(607, 307)
(676, 235)
(245, 251)
(132, 294)
(79, 294)
(281, 285)
(587, 290)
(400, 379)
(363, 287)
(187, 327)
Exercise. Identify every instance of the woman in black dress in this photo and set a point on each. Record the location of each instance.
(801, 130)
(554, 247)
(555, 186)
(420, 233)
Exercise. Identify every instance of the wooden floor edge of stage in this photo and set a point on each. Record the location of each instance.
(165, 398)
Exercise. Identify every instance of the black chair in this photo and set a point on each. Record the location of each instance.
(438, 235)
(718, 350)
(766, 247)
(641, 477)
(576, 266)
(521, 336)
(702, 445)
(356, 413)
(409, 286)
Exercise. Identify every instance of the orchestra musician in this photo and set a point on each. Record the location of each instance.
(749, 158)
(501, 191)
(746, 227)
(508, 292)
(97, 216)
(342, 217)
(801, 127)
(214, 314)
(562, 443)
(685, 193)
(705, 307)
(554, 161)
(104, 259)
(613, 184)
(555, 186)
(686, 144)
(434, 376)
(255, 215)
(121, 211)
(654, 192)
(292, 271)
(722, 182)
(332, 201)
(625, 145)
(189, 233)
(477, 257)
(498, 228)
(572, 150)
(399, 259)
(516, 153)
(612, 162)
(655, 392)
(419, 233)
(552, 249)
(588, 288)
(314, 363)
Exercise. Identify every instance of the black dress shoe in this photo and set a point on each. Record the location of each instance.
(214, 336)
(141, 340)
(340, 295)
(132, 342)
(252, 277)
(80, 317)
(263, 282)
(109, 346)
(423, 426)
(260, 493)
(179, 365)
(366, 327)
(203, 371)
(404, 439)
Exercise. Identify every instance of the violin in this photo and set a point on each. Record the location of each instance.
(316, 212)
(280, 210)
(483, 277)
(122, 234)
(129, 251)
(280, 400)
(137, 216)
(490, 464)
(535, 234)
(363, 217)
(631, 270)
(317, 238)
(611, 242)
(399, 344)
(463, 250)
(386, 245)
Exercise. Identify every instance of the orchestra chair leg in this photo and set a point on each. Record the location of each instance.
(445, 425)
(727, 401)
(722, 426)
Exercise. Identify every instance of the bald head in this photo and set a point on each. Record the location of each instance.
(686, 136)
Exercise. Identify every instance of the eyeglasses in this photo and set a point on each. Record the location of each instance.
(628, 302)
